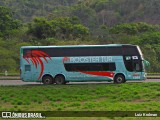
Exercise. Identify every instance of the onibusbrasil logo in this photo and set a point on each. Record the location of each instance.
(14, 115)
(35, 56)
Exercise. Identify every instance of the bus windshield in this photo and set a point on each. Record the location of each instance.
(140, 52)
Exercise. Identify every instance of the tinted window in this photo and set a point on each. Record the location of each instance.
(27, 67)
(130, 50)
(134, 66)
(90, 67)
(81, 51)
(114, 51)
(129, 66)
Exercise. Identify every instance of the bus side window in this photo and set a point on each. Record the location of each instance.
(129, 66)
(27, 68)
(136, 67)
(90, 67)
(109, 67)
(112, 67)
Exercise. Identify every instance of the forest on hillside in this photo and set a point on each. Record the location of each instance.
(90, 12)
(66, 22)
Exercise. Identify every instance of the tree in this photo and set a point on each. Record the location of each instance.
(61, 28)
(86, 15)
(108, 18)
(79, 30)
(40, 28)
(152, 38)
(7, 24)
(129, 29)
(6, 60)
(151, 56)
(132, 28)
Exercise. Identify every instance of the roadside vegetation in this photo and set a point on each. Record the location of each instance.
(92, 97)
(74, 22)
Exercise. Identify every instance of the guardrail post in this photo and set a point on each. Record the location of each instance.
(6, 73)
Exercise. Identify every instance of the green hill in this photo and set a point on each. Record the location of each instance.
(61, 22)
(90, 12)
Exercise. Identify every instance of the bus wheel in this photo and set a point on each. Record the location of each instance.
(119, 79)
(59, 80)
(47, 80)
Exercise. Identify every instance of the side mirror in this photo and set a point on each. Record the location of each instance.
(146, 63)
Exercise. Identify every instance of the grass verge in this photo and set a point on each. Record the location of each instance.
(88, 97)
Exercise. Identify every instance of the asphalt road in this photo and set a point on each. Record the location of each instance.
(19, 82)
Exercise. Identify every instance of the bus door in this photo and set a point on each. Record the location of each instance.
(27, 72)
(133, 66)
(35, 73)
(137, 69)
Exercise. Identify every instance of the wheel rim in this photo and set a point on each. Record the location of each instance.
(59, 80)
(47, 81)
(119, 79)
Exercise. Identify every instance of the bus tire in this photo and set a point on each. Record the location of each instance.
(119, 79)
(60, 80)
(47, 80)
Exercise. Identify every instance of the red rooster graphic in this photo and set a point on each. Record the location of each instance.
(65, 59)
(34, 56)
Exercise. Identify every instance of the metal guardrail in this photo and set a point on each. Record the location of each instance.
(9, 78)
(11, 74)
(153, 77)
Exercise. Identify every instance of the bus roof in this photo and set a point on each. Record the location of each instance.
(68, 46)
